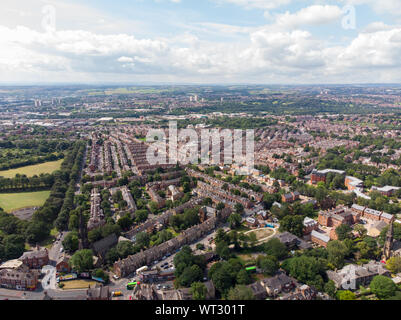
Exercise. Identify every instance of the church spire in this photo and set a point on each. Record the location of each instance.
(388, 245)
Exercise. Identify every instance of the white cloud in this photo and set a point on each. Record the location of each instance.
(275, 53)
(259, 4)
(125, 59)
(313, 15)
(392, 7)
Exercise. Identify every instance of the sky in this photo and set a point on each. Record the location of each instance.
(200, 41)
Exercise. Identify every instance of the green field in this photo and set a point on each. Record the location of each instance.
(12, 201)
(29, 171)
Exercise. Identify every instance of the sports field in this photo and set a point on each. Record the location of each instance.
(29, 171)
(12, 201)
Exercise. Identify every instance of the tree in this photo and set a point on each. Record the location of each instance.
(268, 264)
(142, 239)
(221, 236)
(141, 215)
(189, 275)
(394, 264)
(220, 206)
(345, 295)
(125, 222)
(343, 231)
(200, 246)
(243, 277)
(224, 274)
(153, 207)
(361, 230)
(112, 255)
(207, 202)
(198, 291)
(383, 287)
(234, 220)
(99, 273)
(368, 248)
(240, 292)
(13, 246)
(37, 231)
(222, 250)
(336, 253)
(330, 288)
(292, 224)
(306, 269)
(239, 208)
(124, 249)
(185, 258)
(275, 248)
(73, 223)
(82, 260)
(71, 242)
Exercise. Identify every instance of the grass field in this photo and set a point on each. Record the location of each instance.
(261, 233)
(29, 171)
(12, 201)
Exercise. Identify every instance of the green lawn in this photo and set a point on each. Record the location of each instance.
(29, 171)
(12, 201)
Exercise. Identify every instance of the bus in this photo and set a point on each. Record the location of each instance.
(132, 285)
(251, 269)
(144, 268)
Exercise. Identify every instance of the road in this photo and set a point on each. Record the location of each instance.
(54, 252)
(49, 280)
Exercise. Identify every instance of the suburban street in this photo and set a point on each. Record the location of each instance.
(54, 252)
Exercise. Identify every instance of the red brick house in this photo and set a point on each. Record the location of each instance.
(63, 264)
(35, 259)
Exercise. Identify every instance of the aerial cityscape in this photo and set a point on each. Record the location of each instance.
(162, 181)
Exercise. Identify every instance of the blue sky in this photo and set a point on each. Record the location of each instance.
(204, 41)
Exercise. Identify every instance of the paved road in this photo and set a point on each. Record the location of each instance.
(49, 280)
(54, 252)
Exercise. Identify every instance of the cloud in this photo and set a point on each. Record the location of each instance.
(125, 59)
(313, 15)
(280, 52)
(269, 55)
(391, 7)
(258, 4)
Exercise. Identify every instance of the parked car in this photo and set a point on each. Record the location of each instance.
(116, 277)
(117, 293)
